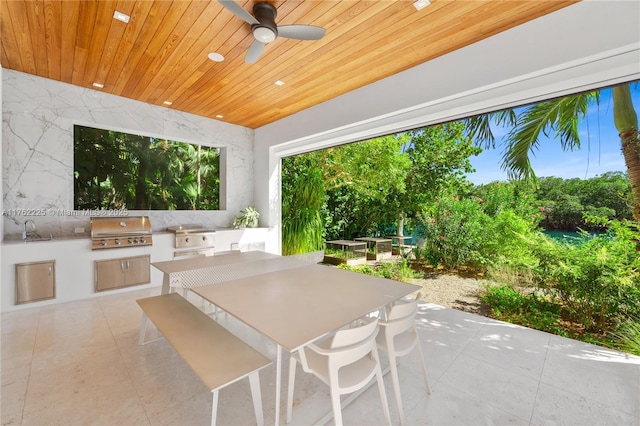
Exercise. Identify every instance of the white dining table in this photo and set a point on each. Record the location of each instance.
(194, 272)
(296, 306)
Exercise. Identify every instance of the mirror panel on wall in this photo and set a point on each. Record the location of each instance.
(122, 171)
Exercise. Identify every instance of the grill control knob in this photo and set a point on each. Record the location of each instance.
(117, 242)
(142, 240)
(103, 242)
(186, 240)
(130, 241)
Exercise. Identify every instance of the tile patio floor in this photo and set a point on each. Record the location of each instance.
(79, 363)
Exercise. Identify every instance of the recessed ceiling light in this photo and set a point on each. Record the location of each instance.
(215, 57)
(98, 85)
(167, 102)
(219, 116)
(121, 17)
(421, 4)
(279, 83)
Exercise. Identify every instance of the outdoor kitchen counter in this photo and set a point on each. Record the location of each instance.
(75, 261)
(44, 239)
(74, 266)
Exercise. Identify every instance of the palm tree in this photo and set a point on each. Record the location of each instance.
(561, 116)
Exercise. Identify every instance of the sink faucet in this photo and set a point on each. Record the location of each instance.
(27, 232)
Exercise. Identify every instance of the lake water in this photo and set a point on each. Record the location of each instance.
(571, 237)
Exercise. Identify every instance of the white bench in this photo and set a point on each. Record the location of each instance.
(217, 356)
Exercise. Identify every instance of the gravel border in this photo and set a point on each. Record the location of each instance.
(454, 292)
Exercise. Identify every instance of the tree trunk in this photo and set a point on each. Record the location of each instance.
(140, 202)
(626, 120)
(401, 218)
(631, 151)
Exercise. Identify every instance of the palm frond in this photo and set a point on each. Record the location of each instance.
(558, 117)
(479, 128)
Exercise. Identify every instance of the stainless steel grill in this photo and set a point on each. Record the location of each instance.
(193, 240)
(118, 232)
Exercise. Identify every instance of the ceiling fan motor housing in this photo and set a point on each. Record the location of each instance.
(266, 31)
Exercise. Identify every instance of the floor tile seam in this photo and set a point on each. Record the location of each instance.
(172, 406)
(502, 367)
(537, 381)
(461, 349)
(124, 363)
(146, 407)
(455, 358)
(601, 366)
(487, 360)
(475, 397)
(415, 406)
(134, 382)
(29, 378)
(626, 355)
(544, 363)
(591, 399)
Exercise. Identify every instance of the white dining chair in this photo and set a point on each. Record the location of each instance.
(346, 362)
(398, 337)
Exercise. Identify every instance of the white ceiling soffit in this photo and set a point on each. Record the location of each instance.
(594, 44)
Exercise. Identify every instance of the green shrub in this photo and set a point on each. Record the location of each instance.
(628, 337)
(301, 222)
(598, 281)
(342, 254)
(399, 271)
(530, 310)
(454, 231)
(478, 233)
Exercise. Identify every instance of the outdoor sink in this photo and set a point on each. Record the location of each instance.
(38, 238)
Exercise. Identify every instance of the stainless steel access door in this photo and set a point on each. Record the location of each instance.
(35, 281)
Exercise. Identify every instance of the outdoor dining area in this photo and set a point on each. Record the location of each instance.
(362, 249)
(216, 338)
(317, 314)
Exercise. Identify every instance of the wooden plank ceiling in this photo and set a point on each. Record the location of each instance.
(161, 54)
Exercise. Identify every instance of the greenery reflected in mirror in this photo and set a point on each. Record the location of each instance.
(115, 170)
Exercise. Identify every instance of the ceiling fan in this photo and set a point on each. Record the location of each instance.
(265, 30)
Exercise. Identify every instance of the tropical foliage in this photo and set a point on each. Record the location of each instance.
(303, 195)
(586, 288)
(368, 185)
(567, 201)
(560, 117)
(115, 170)
(399, 271)
(248, 218)
(591, 289)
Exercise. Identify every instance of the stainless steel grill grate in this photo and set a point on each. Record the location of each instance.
(117, 232)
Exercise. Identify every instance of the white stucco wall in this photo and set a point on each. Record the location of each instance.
(38, 116)
(587, 45)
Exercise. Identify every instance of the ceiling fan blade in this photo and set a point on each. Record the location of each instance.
(237, 10)
(254, 52)
(301, 32)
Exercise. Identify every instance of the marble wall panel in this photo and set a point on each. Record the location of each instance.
(38, 116)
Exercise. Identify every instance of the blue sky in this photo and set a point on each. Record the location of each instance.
(600, 151)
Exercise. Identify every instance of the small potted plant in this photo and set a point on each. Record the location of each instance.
(248, 218)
